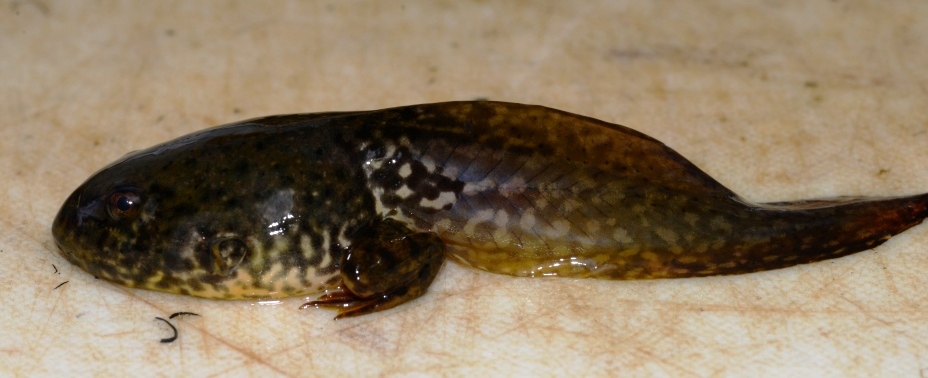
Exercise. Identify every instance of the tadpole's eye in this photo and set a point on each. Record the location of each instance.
(123, 204)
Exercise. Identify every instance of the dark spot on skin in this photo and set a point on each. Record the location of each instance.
(195, 284)
(166, 283)
(184, 209)
(162, 192)
(388, 178)
(219, 192)
(177, 264)
(417, 174)
(431, 193)
(242, 167)
(287, 181)
(233, 202)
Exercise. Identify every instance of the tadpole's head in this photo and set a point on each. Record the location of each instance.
(106, 227)
(169, 218)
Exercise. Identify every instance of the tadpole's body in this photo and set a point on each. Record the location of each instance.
(368, 204)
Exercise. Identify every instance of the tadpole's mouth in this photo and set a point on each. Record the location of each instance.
(65, 250)
(68, 255)
(65, 226)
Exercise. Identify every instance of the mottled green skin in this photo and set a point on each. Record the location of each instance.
(368, 204)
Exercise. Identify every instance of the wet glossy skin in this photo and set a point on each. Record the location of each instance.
(367, 205)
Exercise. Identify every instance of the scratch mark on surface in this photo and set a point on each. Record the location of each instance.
(249, 354)
(172, 338)
(182, 313)
(42, 332)
(867, 313)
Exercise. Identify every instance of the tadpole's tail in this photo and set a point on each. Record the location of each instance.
(770, 236)
(533, 191)
(735, 238)
(779, 235)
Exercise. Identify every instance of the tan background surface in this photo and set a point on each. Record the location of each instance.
(778, 100)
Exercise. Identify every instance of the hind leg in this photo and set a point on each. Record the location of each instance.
(388, 265)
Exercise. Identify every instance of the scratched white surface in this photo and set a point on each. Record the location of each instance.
(778, 100)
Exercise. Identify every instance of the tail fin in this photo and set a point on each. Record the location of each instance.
(734, 240)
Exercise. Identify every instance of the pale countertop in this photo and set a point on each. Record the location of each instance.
(779, 100)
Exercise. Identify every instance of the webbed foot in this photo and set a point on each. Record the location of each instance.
(387, 265)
